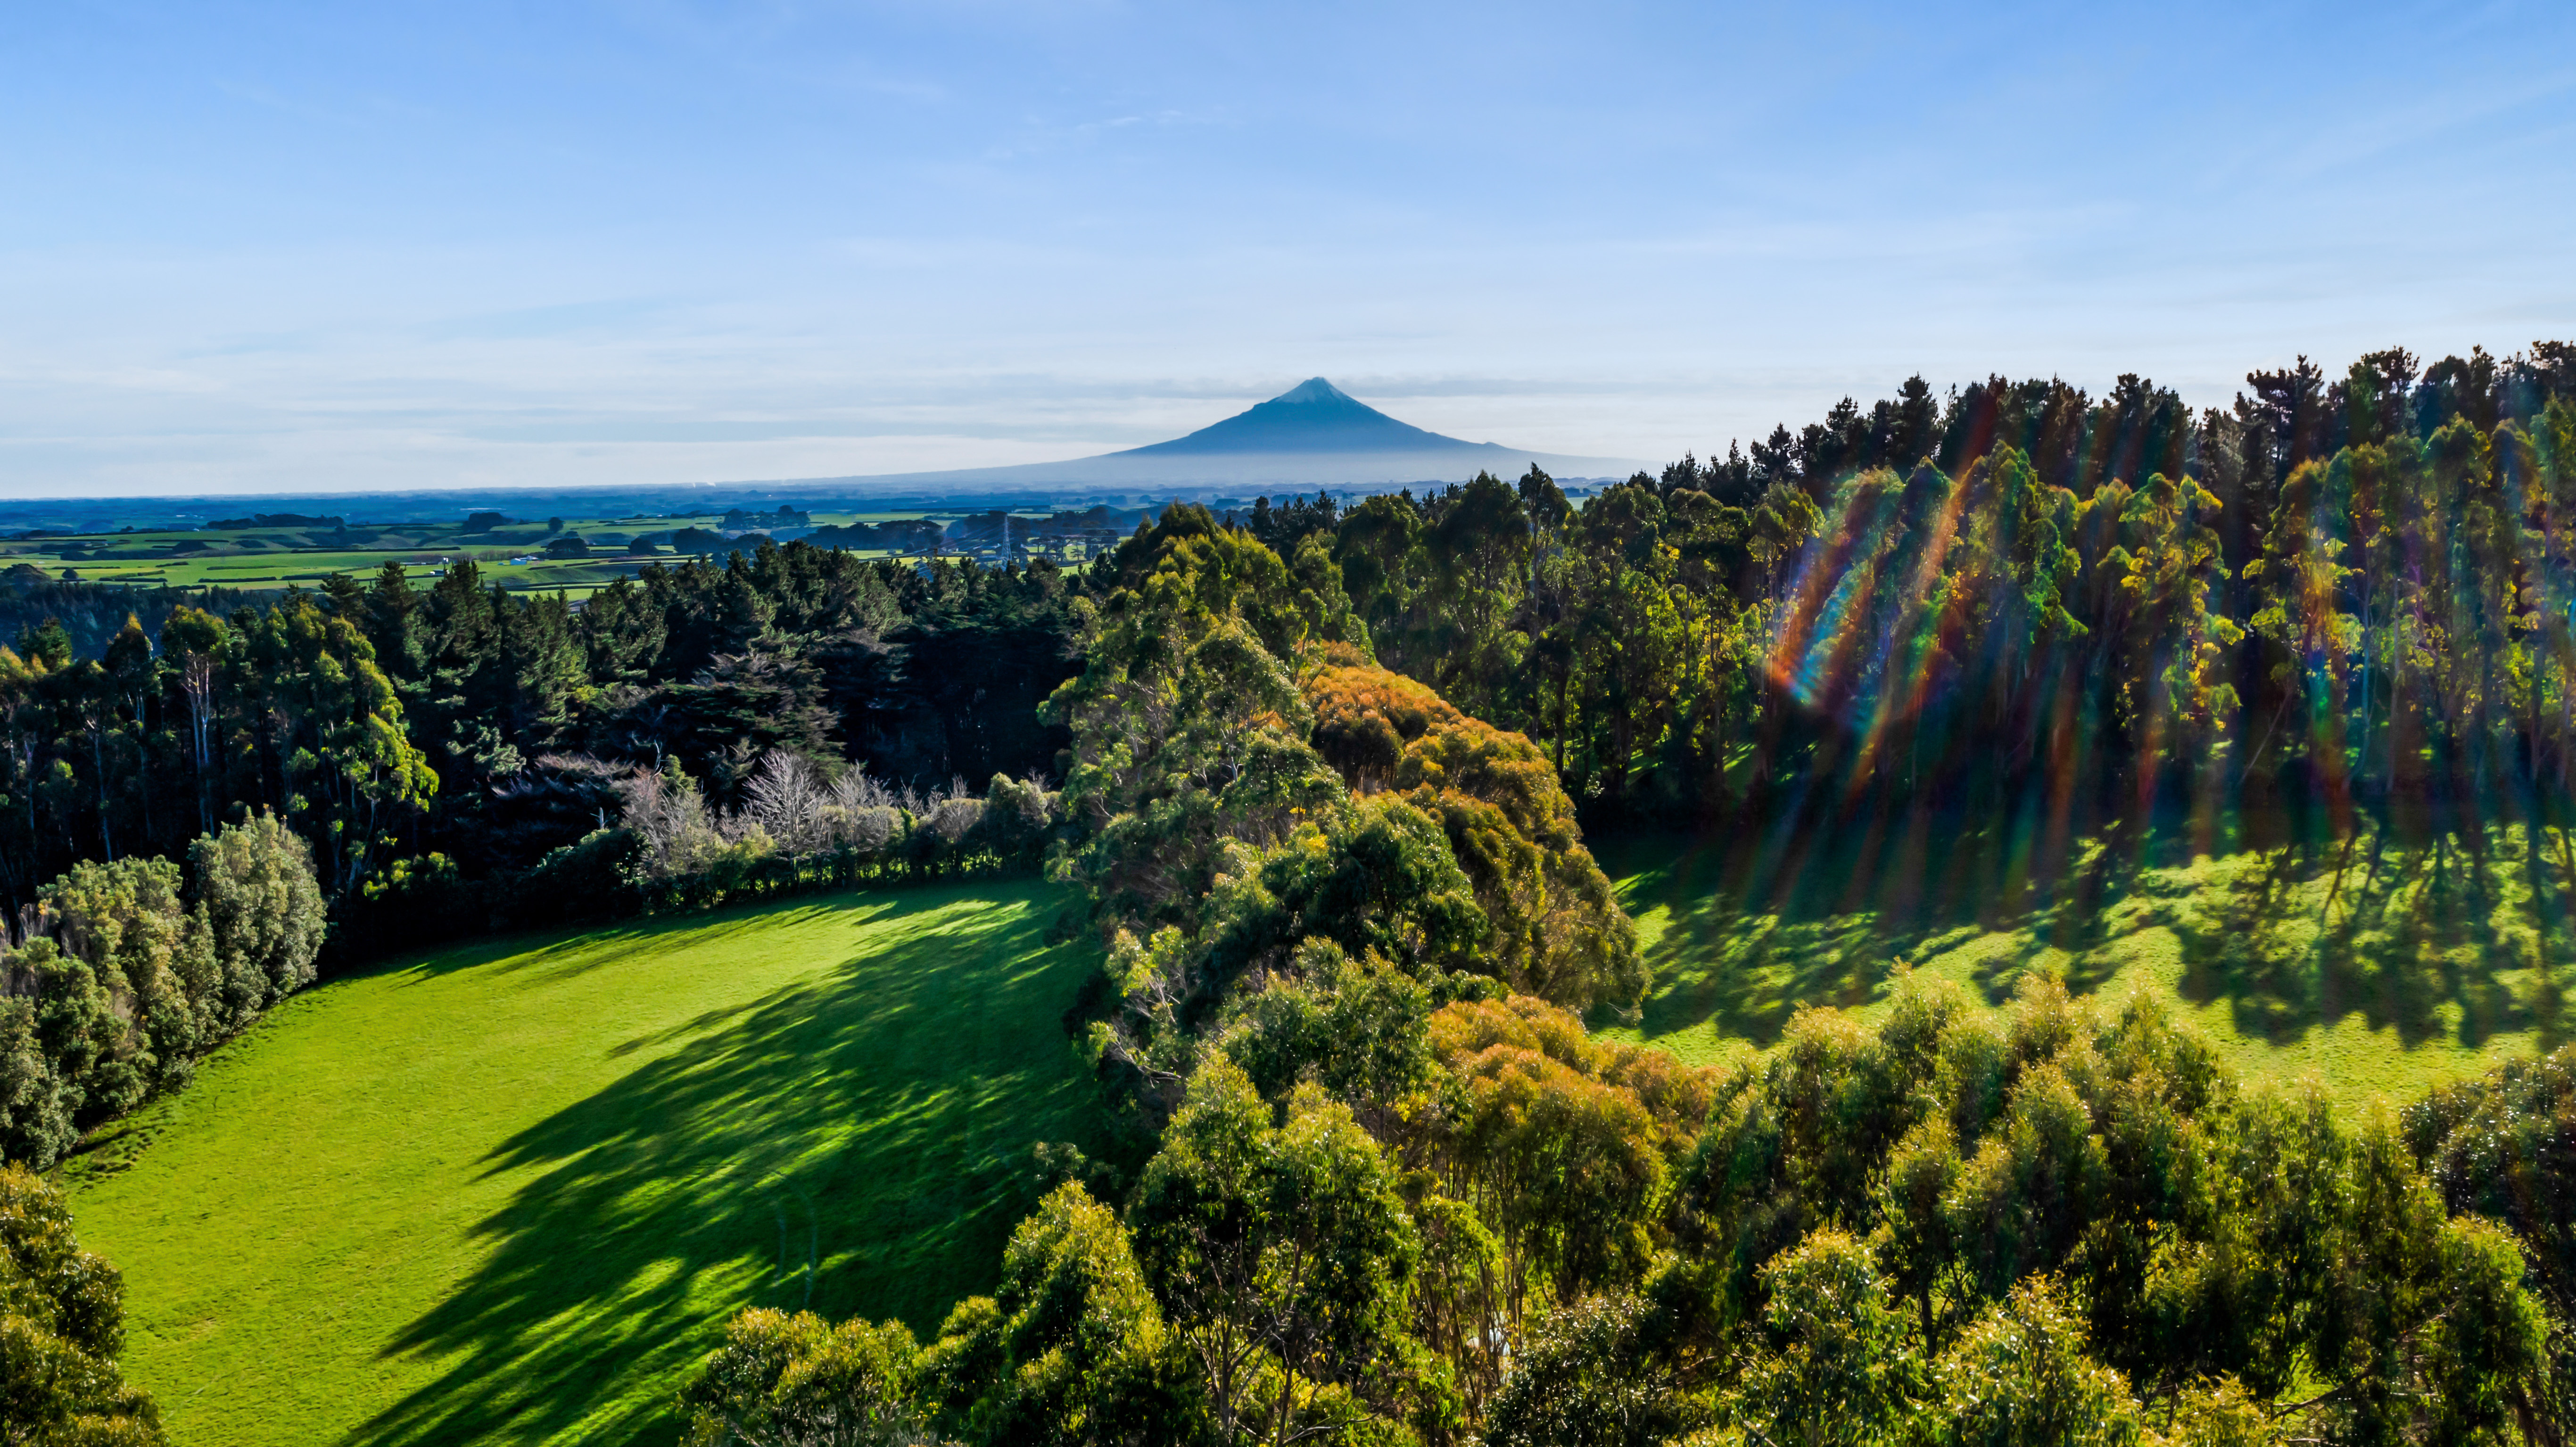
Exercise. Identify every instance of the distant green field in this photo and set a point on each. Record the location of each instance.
(511, 1193)
(272, 557)
(2426, 967)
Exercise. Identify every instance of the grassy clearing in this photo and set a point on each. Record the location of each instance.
(2380, 971)
(511, 1193)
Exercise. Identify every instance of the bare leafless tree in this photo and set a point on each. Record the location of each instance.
(786, 797)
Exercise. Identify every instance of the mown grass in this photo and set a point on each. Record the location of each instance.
(511, 1193)
(2380, 970)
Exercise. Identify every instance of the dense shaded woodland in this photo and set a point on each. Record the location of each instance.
(92, 614)
(2348, 592)
(1321, 782)
(388, 722)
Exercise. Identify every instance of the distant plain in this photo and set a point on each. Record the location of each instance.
(272, 558)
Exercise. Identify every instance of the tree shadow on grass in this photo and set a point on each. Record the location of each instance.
(857, 1145)
(2410, 935)
(2414, 940)
(1757, 926)
(583, 949)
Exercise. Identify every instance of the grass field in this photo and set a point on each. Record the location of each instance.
(2381, 971)
(270, 557)
(511, 1193)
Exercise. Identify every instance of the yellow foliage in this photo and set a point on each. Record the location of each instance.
(1558, 932)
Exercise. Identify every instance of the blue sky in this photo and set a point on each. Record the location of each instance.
(258, 247)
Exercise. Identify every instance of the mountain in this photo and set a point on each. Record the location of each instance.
(1313, 416)
(1313, 434)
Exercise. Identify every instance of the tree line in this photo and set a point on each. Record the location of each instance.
(2333, 596)
(387, 723)
(1394, 1190)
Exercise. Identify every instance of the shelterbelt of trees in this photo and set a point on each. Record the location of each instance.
(1396, 1192)
(2336, 594)
(387, 723)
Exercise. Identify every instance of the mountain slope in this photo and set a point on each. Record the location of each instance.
(1313, 434)
(1313, 416)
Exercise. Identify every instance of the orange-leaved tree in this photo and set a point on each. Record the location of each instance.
(1557, 932)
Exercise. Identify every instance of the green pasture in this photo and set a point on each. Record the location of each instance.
(2380, 970)
(578, 577)
(271, 558)
(274, 558)
(512, 1192)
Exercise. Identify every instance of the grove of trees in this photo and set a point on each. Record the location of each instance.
(1395, 1191)
(385, 722)
(2340, 594)
(126, 973)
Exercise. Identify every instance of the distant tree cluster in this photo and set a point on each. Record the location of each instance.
(904, 535)
(280, 520)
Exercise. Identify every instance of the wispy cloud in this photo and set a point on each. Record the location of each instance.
(558, 320)
(405, 246)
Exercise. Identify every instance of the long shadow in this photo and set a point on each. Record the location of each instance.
(857, 1145)
(2418, 929)
(579, 950)
(2412, 932)
(1758, 926)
